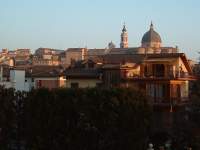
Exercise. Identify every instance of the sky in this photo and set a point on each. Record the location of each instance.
(62, 24)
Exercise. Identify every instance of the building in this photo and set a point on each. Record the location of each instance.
(84, 74)
(83, 78)
(47, 57)
(95, 53)
(25, 78)
(162, 73)
(164, 77)
(11, 77)
(47, 51)
(75, 54)
(46, 60)
(23, 52)
(4, 52)
(50, 77)
(18, 57)
(7, 61)
(124, 38)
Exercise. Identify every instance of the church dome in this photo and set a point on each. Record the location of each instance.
(111, 45)
(151, 36)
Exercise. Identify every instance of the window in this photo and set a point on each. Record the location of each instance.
(74, 85)
(158, 70)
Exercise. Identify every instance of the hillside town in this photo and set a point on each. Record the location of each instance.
(165, 74)
(160, 71)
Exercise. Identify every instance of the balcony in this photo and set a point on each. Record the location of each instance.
(167, 75)
(159, 74)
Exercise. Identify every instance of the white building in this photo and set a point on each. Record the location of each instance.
(14, 78)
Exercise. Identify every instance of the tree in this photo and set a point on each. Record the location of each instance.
(7, 117)
(74, 119)
(86, 119)
(194, 113)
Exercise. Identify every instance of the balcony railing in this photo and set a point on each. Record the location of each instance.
(168, 75)
(150, 75)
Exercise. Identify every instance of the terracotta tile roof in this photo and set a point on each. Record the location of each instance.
(44, 71)
(74, 49)
(139, 58)
(119, 66)
(121, 58)
(82, 73)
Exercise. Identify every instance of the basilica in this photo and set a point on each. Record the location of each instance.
(151, 43)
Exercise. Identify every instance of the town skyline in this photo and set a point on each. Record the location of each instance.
(58, 25)
(100, 74)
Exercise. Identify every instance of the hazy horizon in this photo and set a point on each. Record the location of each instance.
(62, 24)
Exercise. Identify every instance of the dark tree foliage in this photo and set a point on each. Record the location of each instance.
(74, 119)
(7, 117)
(185, 128)
(194, 113)
(195, 107)
(11, 107)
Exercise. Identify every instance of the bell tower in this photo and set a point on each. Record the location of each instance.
(124, 38)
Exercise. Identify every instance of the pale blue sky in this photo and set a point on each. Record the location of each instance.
(93, 23)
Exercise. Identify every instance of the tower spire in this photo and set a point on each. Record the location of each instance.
(124, 37)
(151, 26)
(124, 27)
